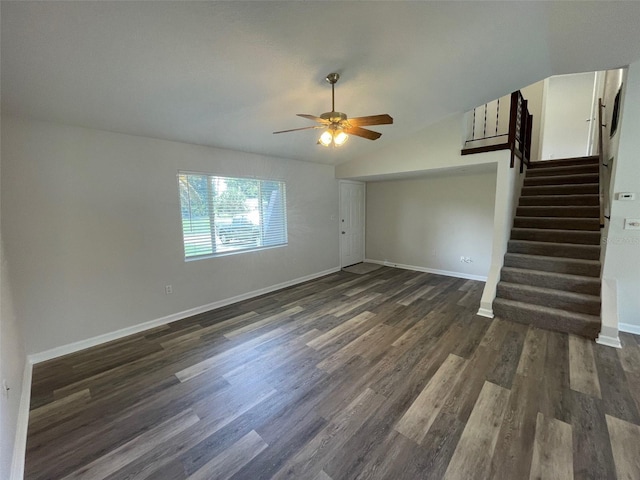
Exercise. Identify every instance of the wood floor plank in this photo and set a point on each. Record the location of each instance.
(236, 392)
(118, 458)
(616, 395)
(472, 457)
(630, 353)
(592, 455)
(330, 336)
(531, 362)
(552, 451)
(225, 465)
(416, 421)
(582, 367)
(626, 449)
(314, 455)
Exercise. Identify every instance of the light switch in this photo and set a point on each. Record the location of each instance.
(627, 196)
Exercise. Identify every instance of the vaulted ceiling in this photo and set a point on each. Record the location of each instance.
(228, 74)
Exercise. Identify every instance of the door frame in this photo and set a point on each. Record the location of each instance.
(364, 216)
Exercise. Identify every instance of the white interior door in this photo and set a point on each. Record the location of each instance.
(352, 213)
(568, 116)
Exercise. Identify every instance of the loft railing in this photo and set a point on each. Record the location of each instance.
(605, 168)
(490, 131)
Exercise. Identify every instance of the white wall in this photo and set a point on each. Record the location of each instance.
(622, 256)
(92, 229)
(431, 222)
(12, 363)
(435, 147)
(568, 101)
(534, 94)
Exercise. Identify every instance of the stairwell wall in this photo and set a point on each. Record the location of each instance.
(622, 246)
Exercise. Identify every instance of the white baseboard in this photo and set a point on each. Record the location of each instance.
(429, 270)
(485, 312)
(608, 341)
(628, 328)
(20, 443)
(141, 327)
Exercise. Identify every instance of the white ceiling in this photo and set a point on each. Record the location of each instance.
(227, 74)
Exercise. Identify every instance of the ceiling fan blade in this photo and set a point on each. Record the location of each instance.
(303, 128)
(383, 119)
(363, 132)
(314, 118)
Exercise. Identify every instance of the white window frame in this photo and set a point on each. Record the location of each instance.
(249, 235)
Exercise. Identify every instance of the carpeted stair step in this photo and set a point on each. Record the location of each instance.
(575, 211)
(552, 249)
(561, 179)
(558, 223)
(548, 318)
(560, 200)
(574, 266)
(548, 297)
(564, 162)
(563, 170)
(570, 189)
(554, 280)
(583, 237)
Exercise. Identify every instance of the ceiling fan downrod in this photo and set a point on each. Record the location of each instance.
(332, 78)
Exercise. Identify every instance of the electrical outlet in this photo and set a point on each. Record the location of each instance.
(168, 289)
(632, 223)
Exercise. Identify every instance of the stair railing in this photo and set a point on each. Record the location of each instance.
(604, 168)
(517, 138)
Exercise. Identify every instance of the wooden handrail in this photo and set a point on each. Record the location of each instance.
(518, 139)
(603, 170)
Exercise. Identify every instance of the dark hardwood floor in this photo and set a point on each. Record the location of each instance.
(388, 375)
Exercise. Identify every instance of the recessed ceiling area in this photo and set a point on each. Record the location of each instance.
(228, 74)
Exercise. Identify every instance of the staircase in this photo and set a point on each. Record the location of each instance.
(551, 272)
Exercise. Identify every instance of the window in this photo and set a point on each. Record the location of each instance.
(223, 215)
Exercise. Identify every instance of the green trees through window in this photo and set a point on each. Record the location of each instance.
(223, 214)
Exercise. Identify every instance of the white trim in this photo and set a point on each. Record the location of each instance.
(141, 327)
(628, 328)
(485, 312)
(608, 341)
(447, 273)
(20, 443)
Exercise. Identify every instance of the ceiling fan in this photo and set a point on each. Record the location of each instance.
(338, 126)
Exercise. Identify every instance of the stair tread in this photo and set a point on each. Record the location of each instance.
(582, 246)
(556, 185)
(549, 310)
(554, 259)
(552, 291)
(582, 219)
(567, 276)
(566, 175)
(565, 162)
(554, 230)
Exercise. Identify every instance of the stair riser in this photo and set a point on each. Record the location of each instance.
(588, 285)
(564, 162)
(546, 321)
(571, 170)
(591, 224)
(548, 265)
(561, 179)
(587, 188)
(585, 252)
(553, 211)
(590, 307)
(541, 235)
(560, 200)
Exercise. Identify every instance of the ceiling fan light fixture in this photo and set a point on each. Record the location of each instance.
(333, 136)
(340, 138)
(325, 139)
